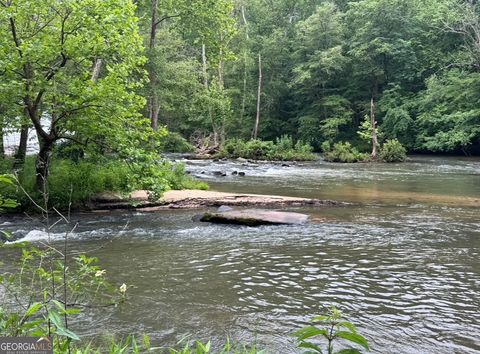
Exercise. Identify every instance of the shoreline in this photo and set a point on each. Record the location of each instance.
(194, 199)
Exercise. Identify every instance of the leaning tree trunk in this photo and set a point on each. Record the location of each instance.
(259, 92)
(42, 163)
(22, 148)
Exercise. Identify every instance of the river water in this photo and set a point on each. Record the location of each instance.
(400, 258)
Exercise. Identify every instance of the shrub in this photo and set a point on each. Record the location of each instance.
(393, 151)
(344, 152)
(178, 179)
(233, 148)
(258, 149)
(329, 329)
(174, 142)
(74, 183)
(283, 149)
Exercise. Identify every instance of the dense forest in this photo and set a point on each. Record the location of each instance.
(127, 79)
(313, 69)
(113, 89)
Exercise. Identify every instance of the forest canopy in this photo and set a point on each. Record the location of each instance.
(114, 76)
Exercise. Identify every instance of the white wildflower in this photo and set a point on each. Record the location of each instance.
(123, 288)
(100, 273)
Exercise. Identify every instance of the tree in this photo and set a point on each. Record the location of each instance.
(51, 51)
(207, 22)
(320, 60)
(449, 115)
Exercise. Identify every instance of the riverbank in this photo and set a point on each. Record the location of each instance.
(193, 199)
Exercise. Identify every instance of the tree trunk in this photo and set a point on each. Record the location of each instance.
(153, 104)
(154, 24)
(259, 92)
(2, 146)
(154, 111)
(205, 84)
(22, 148)
(374, 130)
(42, 164)
(245, 69)
(204, 67)
(97, 67)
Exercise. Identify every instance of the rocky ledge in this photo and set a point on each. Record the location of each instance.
(191, 199)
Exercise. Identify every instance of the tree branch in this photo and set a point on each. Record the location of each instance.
(166, 18)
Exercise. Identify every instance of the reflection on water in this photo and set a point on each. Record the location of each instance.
(406, 272)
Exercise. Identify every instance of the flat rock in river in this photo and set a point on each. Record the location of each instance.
(255, 217)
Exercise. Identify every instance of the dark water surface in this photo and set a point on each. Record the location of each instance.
(401, 259)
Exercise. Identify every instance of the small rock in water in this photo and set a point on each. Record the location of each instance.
(255, 217)
(197, 217)
(241, 174)
(224, 208)
(202, 173)
(218, 173)
(285, 165)
(234, 173)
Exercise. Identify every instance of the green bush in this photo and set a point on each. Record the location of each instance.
(343, 152)
(283, 149)
(233, 148)
(393, 151)
(174, 142)
(73, 183)
(258, 149)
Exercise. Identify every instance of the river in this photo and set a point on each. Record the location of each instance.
(400, 258)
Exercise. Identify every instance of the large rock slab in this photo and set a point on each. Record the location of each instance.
(198, 199)
(255, 217)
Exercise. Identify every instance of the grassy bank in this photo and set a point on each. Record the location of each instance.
(73, 183)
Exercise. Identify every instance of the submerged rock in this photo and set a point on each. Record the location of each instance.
(219, 173)
(255, 217)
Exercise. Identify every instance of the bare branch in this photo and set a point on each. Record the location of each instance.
(166, 18)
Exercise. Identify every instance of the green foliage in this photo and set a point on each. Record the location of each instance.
(449, 117)
(39, 287)
(366, 130)
(6, 181)
(174, 142)
(283, 149)
(397, 124)
(331, 328)
(393, 151)
(343, 152)
(71, 184)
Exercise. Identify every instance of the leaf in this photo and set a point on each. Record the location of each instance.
(308, 332)
(348, 325)
(308, 345)
(33, 309)
(320, 319)
(353, 337)
(54, 317)
(349, 351)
